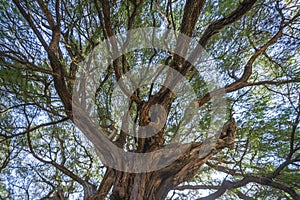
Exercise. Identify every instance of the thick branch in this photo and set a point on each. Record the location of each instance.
(191, 14)
(263, 180)
(218, 25)
(47, 13)
(228, 185)
(242, 82)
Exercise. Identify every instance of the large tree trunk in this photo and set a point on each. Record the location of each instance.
(157, 184)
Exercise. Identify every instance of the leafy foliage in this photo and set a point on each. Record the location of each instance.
(256, 50)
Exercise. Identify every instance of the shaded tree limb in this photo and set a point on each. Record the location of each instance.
(229, 185)
(218, 25)
(33, 129)
(242, 82)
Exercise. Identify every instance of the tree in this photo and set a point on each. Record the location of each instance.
(253, 155)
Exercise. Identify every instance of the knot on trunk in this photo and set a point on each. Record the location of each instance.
(228, 133)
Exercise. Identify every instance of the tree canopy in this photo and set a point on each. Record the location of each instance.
(49, 152)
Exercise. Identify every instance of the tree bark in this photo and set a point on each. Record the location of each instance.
(157, 184)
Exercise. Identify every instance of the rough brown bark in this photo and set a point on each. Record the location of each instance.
(157, 184)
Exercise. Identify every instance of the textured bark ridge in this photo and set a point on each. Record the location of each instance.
(156, 185)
